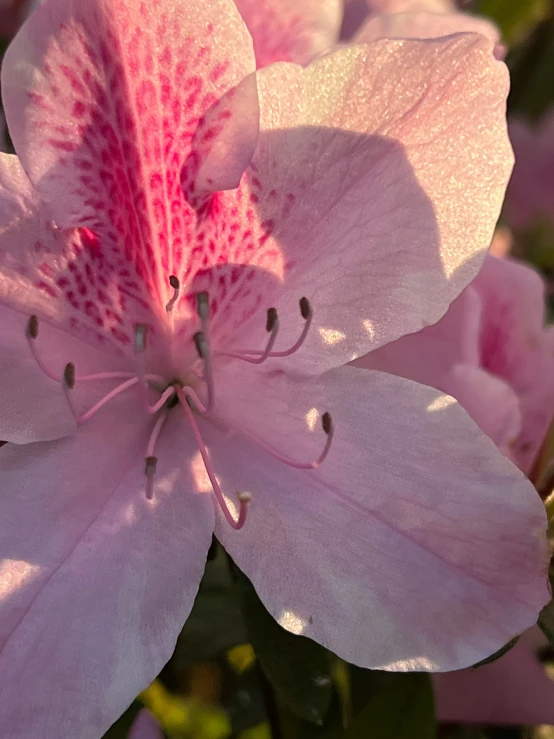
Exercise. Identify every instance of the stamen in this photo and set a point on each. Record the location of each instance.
(203, 348)
(165, 396)
(307, 315)
(151, 460)
(244, 498)
(175, 284)
(31, 333)
(141, 331)
(328, 428)
(203, 307)
(106, 399)
(272, 327)
(68, 383)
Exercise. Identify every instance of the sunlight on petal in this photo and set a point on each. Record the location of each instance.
(440, 403)
(312, 417)
(292, 622)
(14, 573)
(369, 327)
(331, 336)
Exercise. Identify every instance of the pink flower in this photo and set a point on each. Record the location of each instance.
(493, 353)
(530, 193)
(422, 19)
(145, 726)
(514, 689)
(291, 31)
(185, 219)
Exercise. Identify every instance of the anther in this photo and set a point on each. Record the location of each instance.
(32, 327)
(69, 375)
(305, 308)
(175, 284)
(68, 383)
(150, 466)
(327, 423)
(151, 461)
(272, 320)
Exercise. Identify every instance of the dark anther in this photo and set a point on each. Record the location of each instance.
(174, 282)
(202, 304)
(69, 375)
(327, 423)
(150, 465)
(200, 343)
(32, 327)
(305, 308)
(271, 320)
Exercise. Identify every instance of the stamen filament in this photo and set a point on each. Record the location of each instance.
(151, 460)
(106, 399)
(328, 428)
(165, 396)
(203, 312)
(272, 326)
(244, 498)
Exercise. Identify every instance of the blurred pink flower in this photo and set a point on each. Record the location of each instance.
(530, 193)
(145, 726)
(422, 19)
(492, 352)
(291, 31)
(514, 689)
(166, 203)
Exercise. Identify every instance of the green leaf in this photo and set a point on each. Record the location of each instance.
(215, 623)
(515, 18)
(402, 709)
(546, 616)
(297, 668)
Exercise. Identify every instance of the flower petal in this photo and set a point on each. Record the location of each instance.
(425, 25)
(145, 726)
(383, 204)
(103, 100)
(429, 355)
(514, 689)
(96, 581)
(515, 346)
(411, 6)
(288, 31)
(415, 545)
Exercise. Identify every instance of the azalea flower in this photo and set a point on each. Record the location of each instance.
(493, 353)
(190, 252)
(145, 726)
(514, 689)
(530, 194)
(422, 19)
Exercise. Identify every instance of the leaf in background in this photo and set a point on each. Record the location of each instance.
(402, 709)
(215, 624)
(297, 668)
(516, 18)
(546, 617)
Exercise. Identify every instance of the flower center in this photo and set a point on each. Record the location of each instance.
(196, 395)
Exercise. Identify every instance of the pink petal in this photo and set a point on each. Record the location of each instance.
(383, 211)
(429, 355)
(355, 12)
(96, 581)
(285, 30)
(490, 401)
(103, 100)
(513, 690)
(425, 25)
(145, 726)
(515, 346)
(411, 6)
(415, 545)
